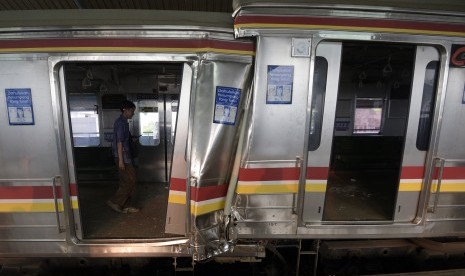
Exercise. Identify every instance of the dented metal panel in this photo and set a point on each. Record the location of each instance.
(212, 149)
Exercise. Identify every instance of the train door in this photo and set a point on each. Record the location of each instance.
(93, 92)
(360, 161)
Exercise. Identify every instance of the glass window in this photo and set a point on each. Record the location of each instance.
(84, 120)
(427, 106)
(149, 123)
(174, 114)
(368, 116)
(318, 102)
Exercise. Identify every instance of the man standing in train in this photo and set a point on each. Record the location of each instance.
(124, 159)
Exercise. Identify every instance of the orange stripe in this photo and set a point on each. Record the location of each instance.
(127, 45)
(353, 24)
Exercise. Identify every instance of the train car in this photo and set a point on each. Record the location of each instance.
(351, 130)
(64, 81)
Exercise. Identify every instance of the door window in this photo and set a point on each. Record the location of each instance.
(149, 123)
(84, 120)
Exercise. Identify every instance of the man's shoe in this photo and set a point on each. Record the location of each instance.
(131, 210)
(115, 207)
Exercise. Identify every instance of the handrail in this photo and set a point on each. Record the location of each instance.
(26, 179)
(290, 161)
(441, 162)
(57, 211)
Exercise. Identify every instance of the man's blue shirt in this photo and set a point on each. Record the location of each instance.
(121, 134)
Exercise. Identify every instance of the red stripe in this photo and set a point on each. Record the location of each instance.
(33, 192)
(146, 43)
(451, 173)
(199, 193)
(370, 23)
(26, 192)
(177, 184)
(206, 193)
(266, 174)
(412, 172)
(73, 189)
(317, 173)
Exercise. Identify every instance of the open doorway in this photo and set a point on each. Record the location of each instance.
(94, 93)
(369, 134)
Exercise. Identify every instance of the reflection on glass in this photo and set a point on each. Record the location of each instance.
(150, 130)
(318, 99)
(427, 106)
(85, 128)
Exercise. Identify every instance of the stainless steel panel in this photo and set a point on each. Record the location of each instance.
(270, 214)
(412, 156)
(176, 247)
(278, 129)
(450, 206)
(448, 212)
(452, 133)
(314, 201)
(448, 199)
(407, 204)
(28, 151)
(265, 201)
(58, 79)
(42, 233)
(212, 147)
(176, 212)
(13, 220)
(270, 229)
(342, 7)
(212, 144)
(331, 51)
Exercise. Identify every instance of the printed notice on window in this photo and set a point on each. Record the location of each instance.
(279, 84)
(226, 104)
(19, 103)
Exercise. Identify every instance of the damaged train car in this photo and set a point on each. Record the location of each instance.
(288, 123)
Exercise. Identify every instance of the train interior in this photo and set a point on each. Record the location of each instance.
(94, 92)
(369, 131)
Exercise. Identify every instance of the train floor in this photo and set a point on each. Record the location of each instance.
(101, 222)
(361, 195)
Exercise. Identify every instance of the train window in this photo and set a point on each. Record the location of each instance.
(427, 106)
(318, 100)
(149, 123)
(84, 120)
(174, 114)
(368, 116)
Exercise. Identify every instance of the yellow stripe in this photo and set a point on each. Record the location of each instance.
(347, 28)
(267, 189)
(315, 187)
(34, 207)
(125, 50)
(409, 187)
(197, 209)
(178, 199)
(449, 187)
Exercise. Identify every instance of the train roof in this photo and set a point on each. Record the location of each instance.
(430, 6)
(56, 19)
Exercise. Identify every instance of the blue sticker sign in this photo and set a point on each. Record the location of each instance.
(226, 104)
(19, 103)
(279, 86)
